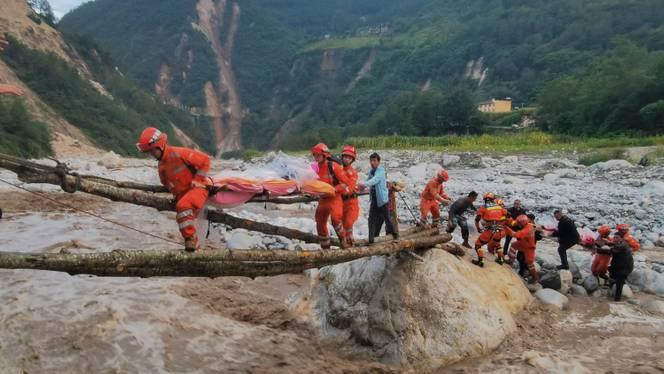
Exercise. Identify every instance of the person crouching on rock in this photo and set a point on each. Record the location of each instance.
(492, 216)
(332, 173)
(602, 250)
(183, 171)
(525, 243)
(622, 262)
(457, 216)
(434, 194)
(351, 205)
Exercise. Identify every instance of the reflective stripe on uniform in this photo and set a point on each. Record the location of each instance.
(185, 224)
(184, 214)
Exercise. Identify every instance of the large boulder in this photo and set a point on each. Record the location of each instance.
(551, 280)
(552, 297)
(406, 312)
(449, 160)
(590, 283)
(654, 187)
(648, 281)
(471, 160)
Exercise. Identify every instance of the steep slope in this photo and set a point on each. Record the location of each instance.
(74, 87)
(310, 69)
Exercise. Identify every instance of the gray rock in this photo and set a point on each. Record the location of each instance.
(472, 160)
(654, 187)
(647, 280)
(611, 165)
(578, 290)
(553, 298)
(449, 160)
(590, 283)
(404, 311)
(552, 179)
(626, 292)
(565, 281)
(510, 179)
(654, 307)
(551, 280)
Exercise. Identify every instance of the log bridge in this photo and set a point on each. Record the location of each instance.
(207, 263)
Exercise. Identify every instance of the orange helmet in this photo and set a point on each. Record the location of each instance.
(500, 202)
(443, 175)
(151, 138)
(349, 150)
(522, 220)
(489, 196)
(622, 228)
(320, 149)
(604, 230)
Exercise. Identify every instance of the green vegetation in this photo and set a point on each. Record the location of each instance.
(524, 141)
(594, 67)
(19, 134)
(113, 122)
(245, 154)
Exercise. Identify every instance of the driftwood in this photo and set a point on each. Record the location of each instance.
(208, 263)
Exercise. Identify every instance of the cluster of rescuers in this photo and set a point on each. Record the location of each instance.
(183, 171)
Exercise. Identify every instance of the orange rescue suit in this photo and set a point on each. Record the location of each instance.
(602, 259)
(432, 195)
(184, 172)
(525, 243)
(351, 204)
(331, 207)
(493, 217)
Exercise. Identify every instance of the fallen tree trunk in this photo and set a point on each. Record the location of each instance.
(205, 263)
(31, 172)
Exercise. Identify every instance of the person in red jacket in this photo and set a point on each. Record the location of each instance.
(602, 259)
(330, 172)
(492, 216)
(183, 171)
(525, 243)
(434, 194)
(351, 204)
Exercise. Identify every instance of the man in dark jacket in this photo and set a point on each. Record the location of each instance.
(457, 216)
(515, 211)
(567, 237)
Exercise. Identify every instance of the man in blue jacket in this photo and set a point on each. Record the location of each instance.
(378, 210)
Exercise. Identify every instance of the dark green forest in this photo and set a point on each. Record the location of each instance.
(568, 58)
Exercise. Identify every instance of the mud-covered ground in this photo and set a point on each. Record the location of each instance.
(52, 322)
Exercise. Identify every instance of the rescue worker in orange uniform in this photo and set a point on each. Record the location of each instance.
(332, 173)
(183, 171)
(622, 262)
(602, 259)
(492, 216)
(351, 204)
(525, 243)
(433, 195)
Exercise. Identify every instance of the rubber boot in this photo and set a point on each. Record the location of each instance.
(534, 277)
(479, 262)
(500, 260)
(466, 244)
(191, 244)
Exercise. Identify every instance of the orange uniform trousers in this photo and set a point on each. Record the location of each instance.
(492, 239)
(600, 265)
(351, 208)
(429, 206)
(188, 207)
(329, 208)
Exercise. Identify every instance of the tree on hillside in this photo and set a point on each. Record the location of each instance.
(43, 8)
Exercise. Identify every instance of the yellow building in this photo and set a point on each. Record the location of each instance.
(495, 106)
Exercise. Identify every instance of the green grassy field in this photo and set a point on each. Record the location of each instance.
(524, 142)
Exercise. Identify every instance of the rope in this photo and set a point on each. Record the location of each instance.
(90, 213)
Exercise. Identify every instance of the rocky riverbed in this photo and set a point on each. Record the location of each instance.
(54, 322)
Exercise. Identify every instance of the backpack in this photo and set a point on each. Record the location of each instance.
(330, 168)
